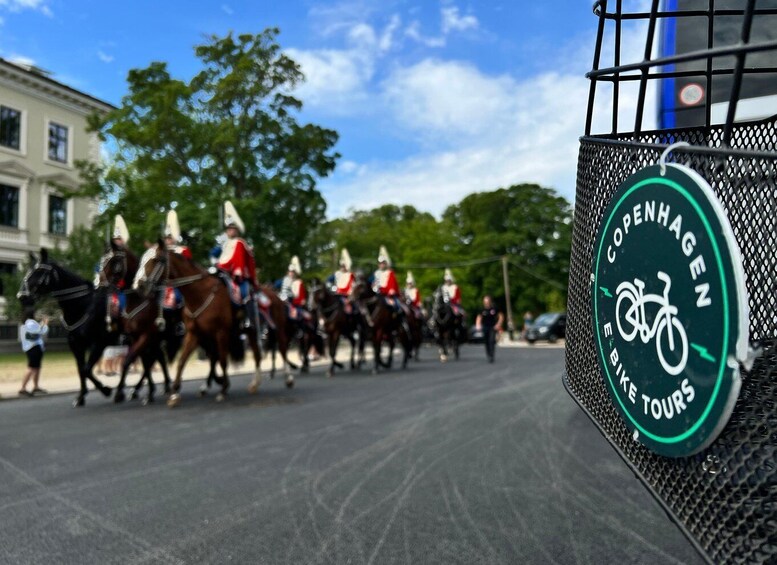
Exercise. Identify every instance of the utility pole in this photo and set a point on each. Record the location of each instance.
(508, 304)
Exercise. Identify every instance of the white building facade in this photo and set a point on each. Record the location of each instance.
(42, 134)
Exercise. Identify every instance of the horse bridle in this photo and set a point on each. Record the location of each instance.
(328, 312)
(155, 281)
(69, 293)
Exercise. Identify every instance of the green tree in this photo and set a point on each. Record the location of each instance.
(231, 132)
(530, 224)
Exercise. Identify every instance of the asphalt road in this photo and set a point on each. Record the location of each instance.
(459, 463)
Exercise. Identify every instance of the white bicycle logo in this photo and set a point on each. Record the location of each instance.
(630, 316)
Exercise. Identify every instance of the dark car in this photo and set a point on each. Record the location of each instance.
(476, 335)
(550, 326)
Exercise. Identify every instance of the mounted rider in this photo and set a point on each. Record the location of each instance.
(117, 302)
(173, 298)
(293, 290)
(384, 281)
(452, 294)
(343, 280)
(237, 259)
(413, 295)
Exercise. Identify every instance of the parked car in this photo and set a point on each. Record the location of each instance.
(550, 326)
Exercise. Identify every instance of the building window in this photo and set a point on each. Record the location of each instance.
(58, 142)
(57, 215)
(9, 206)
(10, 127)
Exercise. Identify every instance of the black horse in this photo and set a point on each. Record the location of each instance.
(144, 321)
(331, 308)
(448, 325)
(84, 311)
(385, 324)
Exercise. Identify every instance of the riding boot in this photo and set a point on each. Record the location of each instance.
(250, 311)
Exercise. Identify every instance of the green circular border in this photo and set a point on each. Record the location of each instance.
(723, 356)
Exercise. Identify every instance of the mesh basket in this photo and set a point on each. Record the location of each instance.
(725, 497)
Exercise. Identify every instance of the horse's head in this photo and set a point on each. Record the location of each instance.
(153, 269)
(117, 264)
(361, 289)
(40, 280)
(317, 294)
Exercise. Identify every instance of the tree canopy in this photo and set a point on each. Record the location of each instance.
(229, 133)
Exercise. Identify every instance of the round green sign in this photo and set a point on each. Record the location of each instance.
(669, 309)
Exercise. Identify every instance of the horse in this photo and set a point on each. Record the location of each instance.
(283, 331)
(147, 324)
(337, 322)
(448, 326)
(84, 311)
(384, 324)
(209, 316)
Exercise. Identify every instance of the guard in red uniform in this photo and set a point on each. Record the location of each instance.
(385, 281)
(343, 280)
(451, 293)
(293, 289)
(237, 259)
(413, 295)
(173, 297)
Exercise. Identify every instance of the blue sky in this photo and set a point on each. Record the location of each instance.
(433, 100)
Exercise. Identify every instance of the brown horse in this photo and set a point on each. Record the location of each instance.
(280, 337)
(210, 318)
(385, 324)
(144, 321)
(337, 322)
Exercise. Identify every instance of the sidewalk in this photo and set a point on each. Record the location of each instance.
(62, 377)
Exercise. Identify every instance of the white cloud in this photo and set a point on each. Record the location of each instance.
(413, 31)
(227, 9)
(20, 5)
(104, 57)
(334, 78)
(452, 21)
(481, 131)
(21, 60)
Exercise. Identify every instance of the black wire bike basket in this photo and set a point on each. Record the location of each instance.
(725, 497)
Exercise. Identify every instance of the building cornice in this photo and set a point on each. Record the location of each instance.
(16, 169)
(49, 90)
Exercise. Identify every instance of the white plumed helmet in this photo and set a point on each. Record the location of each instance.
(172, 228)
(345, 259)
(295, 266)
(409, 279)
(383, 255)
(448, 276)
(120, 229)
(232, 218)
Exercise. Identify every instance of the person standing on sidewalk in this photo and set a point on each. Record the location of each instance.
(31, 334)
(489, 320)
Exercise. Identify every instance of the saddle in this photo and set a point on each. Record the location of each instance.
(232, 288)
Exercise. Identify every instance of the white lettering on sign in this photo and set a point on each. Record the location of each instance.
(670, 406)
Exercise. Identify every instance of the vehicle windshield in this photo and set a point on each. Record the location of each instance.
(545, 319)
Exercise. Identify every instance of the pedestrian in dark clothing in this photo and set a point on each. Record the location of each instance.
(489, 320)
(31, 334)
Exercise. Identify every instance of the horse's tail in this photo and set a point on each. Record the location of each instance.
(237, 350)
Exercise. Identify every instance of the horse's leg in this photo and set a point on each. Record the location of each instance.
(222, 344)
(148, 358)
(283, 345)
(94, 356)
(253, 336)
(376, 343)
(442, 346)
(333, 337)
(189, 345)
(79, 353)
(162, 360)
(212, 376)
(391, 344)
(136, 349)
